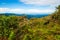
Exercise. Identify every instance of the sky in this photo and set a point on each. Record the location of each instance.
(28, 6)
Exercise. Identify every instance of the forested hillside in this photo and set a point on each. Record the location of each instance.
(22, 28)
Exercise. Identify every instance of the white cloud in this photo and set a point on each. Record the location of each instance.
(42, 2)
(9, 10)
(26, 11)
(39, 11)
(3, 10)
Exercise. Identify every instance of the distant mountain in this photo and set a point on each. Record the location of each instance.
(27, 15)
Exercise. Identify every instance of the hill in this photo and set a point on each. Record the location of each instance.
(21, 28)
(27, 15)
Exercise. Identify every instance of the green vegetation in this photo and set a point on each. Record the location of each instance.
(21, 28)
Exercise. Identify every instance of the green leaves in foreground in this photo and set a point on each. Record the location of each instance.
(11, 35)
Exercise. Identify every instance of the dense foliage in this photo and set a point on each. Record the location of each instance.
(21, 28)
